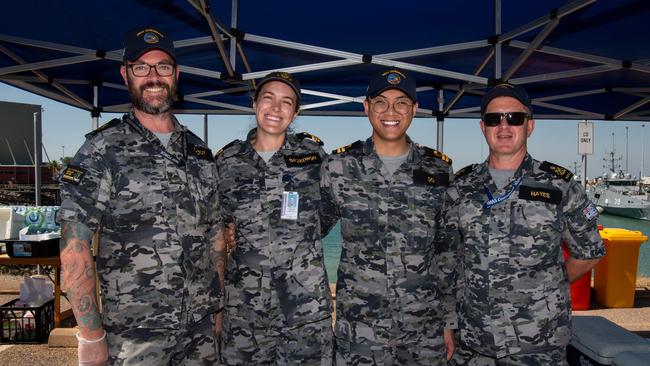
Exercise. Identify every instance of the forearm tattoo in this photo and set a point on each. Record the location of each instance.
(219, 256)
(79, 274)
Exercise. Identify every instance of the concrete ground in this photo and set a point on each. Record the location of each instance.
(635, 319)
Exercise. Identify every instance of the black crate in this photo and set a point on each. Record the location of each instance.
(577, 358)
(32, 249)
(22, 324)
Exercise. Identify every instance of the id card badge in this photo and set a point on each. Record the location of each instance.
(290, 205)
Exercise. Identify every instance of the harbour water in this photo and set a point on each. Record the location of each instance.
(332, 243)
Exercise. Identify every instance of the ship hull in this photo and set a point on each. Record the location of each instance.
(634, 213)
(619, 204)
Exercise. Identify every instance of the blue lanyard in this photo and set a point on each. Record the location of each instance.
(495, 200)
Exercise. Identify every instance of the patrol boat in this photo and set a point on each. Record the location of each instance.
(620, 194)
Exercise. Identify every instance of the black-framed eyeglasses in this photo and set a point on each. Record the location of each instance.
(512, 118)
(142, 70)
(401, 106)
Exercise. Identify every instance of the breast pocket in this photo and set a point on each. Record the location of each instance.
(136, 199)
(202, 183)
(537, 217)
(537, 229)
(306, 182)
(359, 217)
(424, 204)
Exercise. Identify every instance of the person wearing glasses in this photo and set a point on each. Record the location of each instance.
(278, 306)
(512, 213)
(395, 291)
(146, 185)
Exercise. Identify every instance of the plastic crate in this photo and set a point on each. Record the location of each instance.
(595, 341)
(32, 249)
(23, 324)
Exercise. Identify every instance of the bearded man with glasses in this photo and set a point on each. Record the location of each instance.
(512, 214)
(395, 288)
(147, 186)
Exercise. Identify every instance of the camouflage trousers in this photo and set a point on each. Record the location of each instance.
(549, 357)
(245, 341)
(193, 346)
(368, 347)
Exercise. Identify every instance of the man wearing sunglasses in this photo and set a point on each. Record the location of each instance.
(512, 214)
(395, 283)
(146, 184)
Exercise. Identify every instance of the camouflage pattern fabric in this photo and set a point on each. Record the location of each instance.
(549, 357)
(396, 278)
(158, 346)
(155, 208)
(514, 293)
(278, 305)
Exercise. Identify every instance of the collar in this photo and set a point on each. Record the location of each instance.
(290, 143)
(525, 168)
(178, 131)
(372, 160)
(413, 153)
(178, 152)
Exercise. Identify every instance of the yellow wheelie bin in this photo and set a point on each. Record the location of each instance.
(615, 274)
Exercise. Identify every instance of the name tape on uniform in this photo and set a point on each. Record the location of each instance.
(549, 195)
(424, 178)
(302, 160)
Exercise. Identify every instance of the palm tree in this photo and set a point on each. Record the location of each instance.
(66, 160)
(55, 167)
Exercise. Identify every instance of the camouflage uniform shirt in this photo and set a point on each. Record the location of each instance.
(396, 279)
(514, 295)
(276, 274)
(154, 207)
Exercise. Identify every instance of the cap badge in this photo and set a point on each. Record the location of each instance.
(285, 76)
(394, 78)
(151, 38)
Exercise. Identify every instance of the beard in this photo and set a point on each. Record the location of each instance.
(164, 104)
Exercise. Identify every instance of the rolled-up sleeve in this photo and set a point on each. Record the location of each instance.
(84, 198)
(580, 216)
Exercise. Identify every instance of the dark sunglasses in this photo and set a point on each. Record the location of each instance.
(512, 118)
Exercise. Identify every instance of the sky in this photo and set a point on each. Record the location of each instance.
(64, 128)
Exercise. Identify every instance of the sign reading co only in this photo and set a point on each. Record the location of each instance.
(585, 138)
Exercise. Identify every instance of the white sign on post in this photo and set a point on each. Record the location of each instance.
(585, 138)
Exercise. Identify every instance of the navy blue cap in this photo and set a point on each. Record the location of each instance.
(141, 40)
(506, 90)
(283, 77)
(392, 79)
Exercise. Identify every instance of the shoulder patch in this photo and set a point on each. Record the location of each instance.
(110, 124)
(200, 152)
(438, 154)
(309, 136)
(590, 212)
(220, 152)
(73, 174)
(556, 170)
(464, 171)
(355, 145)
